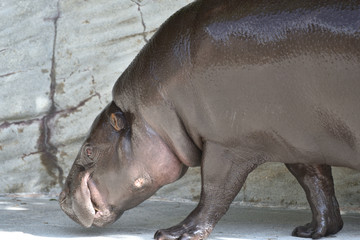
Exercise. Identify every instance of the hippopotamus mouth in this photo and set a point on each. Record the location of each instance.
(86, 206)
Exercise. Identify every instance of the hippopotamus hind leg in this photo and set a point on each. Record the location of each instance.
(317, 182)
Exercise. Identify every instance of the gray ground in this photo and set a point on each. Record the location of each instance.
(41, 218)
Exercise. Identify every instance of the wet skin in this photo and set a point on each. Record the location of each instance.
(227, 86)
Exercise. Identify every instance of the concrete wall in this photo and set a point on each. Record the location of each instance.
(58, 63)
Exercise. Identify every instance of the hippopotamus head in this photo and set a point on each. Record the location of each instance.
(122, 162)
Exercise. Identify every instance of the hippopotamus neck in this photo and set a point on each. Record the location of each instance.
(143, 88)
(156, 110)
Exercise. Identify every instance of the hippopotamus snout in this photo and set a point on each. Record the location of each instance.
(79, 206)
(85, 205)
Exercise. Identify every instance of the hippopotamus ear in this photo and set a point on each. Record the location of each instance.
(117, 121)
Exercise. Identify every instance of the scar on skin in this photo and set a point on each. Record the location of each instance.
(139, 182)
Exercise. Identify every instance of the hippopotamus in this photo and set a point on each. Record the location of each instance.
(227, 86)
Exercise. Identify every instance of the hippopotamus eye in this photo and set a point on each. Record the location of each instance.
(89, 151)
(88, 156)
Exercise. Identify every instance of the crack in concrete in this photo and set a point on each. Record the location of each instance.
(142, 20)
(116, 40)
(8, 74)
(63, 113)
(70, 110)
(46, 149)
(7, 124)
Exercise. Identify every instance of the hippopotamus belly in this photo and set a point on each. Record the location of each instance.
(299, 108)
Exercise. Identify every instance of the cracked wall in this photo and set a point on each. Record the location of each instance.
(59, 61)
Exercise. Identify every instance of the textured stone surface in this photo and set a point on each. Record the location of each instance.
(58, 63)
(27, 34)
(26, 49)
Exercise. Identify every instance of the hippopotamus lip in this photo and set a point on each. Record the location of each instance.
(95, 197)
(82, 209)
(102, 216)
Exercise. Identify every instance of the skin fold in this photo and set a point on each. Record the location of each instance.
(227, 86)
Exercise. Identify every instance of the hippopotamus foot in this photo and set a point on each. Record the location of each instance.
(315, 231)
(318, 185)
(189, 229)
(223, 172)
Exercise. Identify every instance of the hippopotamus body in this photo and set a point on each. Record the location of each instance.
(228, 85)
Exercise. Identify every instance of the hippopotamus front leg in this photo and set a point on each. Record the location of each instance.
(318, 185)
(223, 172)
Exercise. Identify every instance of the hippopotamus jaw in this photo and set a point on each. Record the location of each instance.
(86, 206)
(104, 213)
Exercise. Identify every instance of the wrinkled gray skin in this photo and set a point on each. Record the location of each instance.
(228, 85)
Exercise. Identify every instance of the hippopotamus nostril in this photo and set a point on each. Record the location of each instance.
(64, 194)
(62, 197)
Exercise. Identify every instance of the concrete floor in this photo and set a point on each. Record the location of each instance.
(28, 218)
